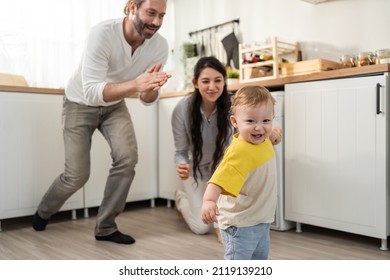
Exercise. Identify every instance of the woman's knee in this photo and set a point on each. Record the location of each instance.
(200, 229)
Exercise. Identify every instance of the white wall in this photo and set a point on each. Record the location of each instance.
(43, 39)
(326, 30)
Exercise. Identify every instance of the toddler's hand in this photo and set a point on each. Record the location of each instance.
(209, 212)
(276, 135)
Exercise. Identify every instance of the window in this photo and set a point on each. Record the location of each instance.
(43, 39)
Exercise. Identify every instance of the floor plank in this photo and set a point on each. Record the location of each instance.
(162, 235)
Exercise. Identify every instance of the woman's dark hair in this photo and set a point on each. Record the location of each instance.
(195, 116)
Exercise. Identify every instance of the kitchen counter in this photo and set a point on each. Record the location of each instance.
(279, 83)
(273, 84)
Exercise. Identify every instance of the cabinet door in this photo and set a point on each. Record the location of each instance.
(31, 152)
(144, 185)
(168, 180)
(335, 155)
(144, 119)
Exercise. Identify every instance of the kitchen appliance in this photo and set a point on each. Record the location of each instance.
(280, 223)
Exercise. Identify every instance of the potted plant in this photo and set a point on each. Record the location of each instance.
(232, 76)
(189, 57)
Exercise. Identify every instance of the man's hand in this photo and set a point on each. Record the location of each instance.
(151, 81)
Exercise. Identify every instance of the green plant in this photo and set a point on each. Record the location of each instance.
(189, 49)
(233, 74)
(188, 59)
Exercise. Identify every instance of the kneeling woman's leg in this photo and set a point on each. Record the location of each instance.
(189, 202)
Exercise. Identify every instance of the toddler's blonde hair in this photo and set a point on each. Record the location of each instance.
(251, 96)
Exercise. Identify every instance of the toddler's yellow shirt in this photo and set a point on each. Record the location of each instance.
(240, 158)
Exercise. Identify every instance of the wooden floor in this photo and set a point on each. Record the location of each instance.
(161, 234)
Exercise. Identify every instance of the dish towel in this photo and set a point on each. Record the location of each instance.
(230, 43)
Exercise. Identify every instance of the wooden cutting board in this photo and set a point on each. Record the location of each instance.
(308, 67)
(12, 80)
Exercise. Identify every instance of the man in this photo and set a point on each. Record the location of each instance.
(122, 57)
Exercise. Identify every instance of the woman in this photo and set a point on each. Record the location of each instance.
(202, 131)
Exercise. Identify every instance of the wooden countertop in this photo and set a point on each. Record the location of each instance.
(30, 89)
(270, 83)
(324, 75)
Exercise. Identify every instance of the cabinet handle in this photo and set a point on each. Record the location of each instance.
(378, 98)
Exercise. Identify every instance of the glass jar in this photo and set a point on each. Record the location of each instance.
(382, 56)
(348, 60)
(365, 58)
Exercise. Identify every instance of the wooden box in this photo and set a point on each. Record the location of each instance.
(307, 67)
(12, 80)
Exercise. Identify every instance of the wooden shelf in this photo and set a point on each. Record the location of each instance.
(266, 69)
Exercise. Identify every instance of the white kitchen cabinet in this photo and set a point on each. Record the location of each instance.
(280, 223)
(144, 186)
(168, 180)
(336, 155)
(31, 152)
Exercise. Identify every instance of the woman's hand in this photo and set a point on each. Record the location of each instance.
(183, 170)
(276, 135)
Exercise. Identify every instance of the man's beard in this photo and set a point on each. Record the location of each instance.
(140, 26)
